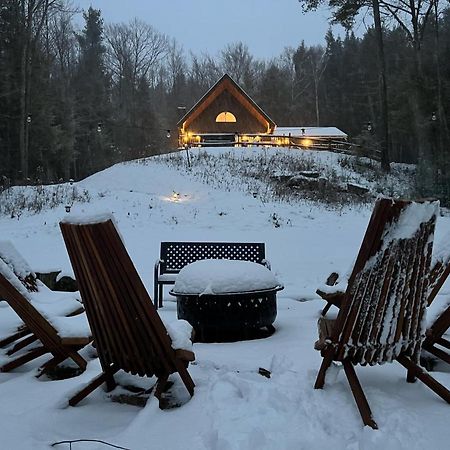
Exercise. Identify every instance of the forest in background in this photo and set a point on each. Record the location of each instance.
(76, 101)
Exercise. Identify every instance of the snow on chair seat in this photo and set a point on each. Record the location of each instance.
(17, 296)
(49, 303)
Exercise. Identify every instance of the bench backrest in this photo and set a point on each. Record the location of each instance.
(175, 255)
(383, 310)
(127, 330)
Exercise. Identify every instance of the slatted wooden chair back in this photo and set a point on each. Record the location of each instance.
(385, 301)
(127, 330)
(17, 297)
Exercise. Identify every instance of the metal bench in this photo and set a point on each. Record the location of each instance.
(175, 255)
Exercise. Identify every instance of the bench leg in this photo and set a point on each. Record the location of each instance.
(160, 294)
(155, 294)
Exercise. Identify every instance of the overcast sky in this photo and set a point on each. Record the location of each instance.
(266, 26)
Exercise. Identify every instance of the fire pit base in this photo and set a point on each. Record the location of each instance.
(229, 317)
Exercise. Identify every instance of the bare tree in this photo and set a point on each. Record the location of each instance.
(237, 61)
(413, 17)
(62, 42)
(318, 61)
(204, 72)
(33, 15)
(135, 47)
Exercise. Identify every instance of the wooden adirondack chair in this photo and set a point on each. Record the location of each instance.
(435, 341)
(128, 331)
(62, 337)
(435, 336)
(436, 279)
(380, 319)
(333, 292)
(438, 275)
(49, 303)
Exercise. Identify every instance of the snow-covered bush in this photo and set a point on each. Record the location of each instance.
(17, 199)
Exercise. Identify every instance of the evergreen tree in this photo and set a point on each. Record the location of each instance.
(92, 108)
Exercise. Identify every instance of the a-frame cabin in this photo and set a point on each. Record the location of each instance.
(222, 114)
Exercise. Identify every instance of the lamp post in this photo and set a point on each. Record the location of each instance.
(181, 111)
(434, 134)
(24, 164)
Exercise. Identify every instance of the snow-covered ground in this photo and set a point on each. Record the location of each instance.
(234, 407)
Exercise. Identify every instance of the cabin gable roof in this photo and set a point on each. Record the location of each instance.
(226, 83)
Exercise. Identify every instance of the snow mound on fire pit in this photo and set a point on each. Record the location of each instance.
(223, 276)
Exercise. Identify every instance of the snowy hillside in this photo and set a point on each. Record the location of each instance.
(226, 195)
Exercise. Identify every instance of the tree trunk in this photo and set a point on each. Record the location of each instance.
(384, 122)
(23, 116)
(442, 118)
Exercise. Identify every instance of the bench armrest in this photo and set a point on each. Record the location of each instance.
(157, 264)
(266, 263)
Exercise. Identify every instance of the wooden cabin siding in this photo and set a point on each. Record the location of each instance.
(245, 121)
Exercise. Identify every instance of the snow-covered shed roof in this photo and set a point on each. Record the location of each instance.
(310, 132)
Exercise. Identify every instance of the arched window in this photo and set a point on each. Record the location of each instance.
(226, 116)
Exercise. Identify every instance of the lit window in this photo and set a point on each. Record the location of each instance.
(226, 116)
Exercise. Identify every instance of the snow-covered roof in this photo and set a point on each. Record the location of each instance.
(309, 131)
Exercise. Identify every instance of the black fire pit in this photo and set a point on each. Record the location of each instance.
(229, 316)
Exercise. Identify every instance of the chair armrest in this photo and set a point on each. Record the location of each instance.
(185, 355)
(336, 298)
(333, 291)
(157, 264)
